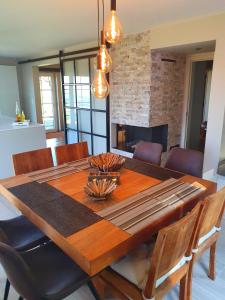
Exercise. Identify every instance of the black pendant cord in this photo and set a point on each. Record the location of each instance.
(98, 23)
(113, 5)
(103, 15)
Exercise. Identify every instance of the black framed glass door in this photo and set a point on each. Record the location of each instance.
(86, 118)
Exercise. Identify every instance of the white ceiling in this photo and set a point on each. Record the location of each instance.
(31, 27)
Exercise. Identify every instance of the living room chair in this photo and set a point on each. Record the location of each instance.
(71, 152)
(185, 161)
(151, 270)
(148, 152)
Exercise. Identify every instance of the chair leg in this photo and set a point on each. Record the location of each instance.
(7, 287)
(183, 287)
(189, 280)
(212, 261)
(93, 290)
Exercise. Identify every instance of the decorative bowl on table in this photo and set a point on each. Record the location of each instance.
(99, 189)
(107, 162)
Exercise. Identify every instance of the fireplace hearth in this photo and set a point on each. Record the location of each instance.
(128, 136)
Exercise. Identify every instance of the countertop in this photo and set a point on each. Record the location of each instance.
(6, 124)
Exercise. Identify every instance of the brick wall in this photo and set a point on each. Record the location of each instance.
(167, 92)
(130, 81)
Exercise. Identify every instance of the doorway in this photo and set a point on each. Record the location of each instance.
(199, 94)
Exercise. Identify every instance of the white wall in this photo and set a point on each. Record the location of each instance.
(222, 150)
(9, 91)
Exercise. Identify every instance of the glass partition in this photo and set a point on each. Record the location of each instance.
(86, 118)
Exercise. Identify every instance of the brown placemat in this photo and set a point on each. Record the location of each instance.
(136, 212)
(64, 214)
(151, 170)
(49, 174)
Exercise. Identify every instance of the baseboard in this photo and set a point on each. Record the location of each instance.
(210, 175)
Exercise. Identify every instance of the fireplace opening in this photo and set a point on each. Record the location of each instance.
(128, 136)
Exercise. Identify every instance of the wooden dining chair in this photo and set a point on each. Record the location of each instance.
(71, 152)
(30, 161)
(150, 274)
(209, 228)
(185, 161)
(148, 152)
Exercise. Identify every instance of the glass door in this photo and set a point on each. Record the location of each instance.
(86, 118)
(48, 102)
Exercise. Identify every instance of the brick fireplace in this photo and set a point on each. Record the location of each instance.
(147, 87)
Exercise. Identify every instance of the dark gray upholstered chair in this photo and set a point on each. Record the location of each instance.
(185, 161)
(43, 273)
(22, 235)
(148, 152)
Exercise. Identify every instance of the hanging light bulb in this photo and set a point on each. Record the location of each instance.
(113, 29)
(100, 86)
(105, 58)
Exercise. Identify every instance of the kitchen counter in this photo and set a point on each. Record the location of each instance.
(16, 139)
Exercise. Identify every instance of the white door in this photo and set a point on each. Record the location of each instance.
(48, 101)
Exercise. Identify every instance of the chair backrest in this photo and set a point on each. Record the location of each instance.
(211, 216)
(18, 273)
(71, 152)
(174, 244)
(148, 152)
(32, 161)
(185, 161)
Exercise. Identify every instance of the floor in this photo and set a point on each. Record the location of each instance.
(203, 287)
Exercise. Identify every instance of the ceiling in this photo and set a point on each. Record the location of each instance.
(31, 27)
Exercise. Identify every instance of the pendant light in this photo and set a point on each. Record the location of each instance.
(113, 29)
(100, 86)
(105, 58)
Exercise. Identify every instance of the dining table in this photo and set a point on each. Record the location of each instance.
(95, 234)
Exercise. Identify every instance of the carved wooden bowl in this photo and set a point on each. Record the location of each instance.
(107, 162)
(99, 189)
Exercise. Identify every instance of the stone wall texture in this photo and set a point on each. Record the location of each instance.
(147, 86)
(130, 81)
(167, 92)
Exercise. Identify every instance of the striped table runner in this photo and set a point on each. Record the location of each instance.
(59, 171)
(136, 211)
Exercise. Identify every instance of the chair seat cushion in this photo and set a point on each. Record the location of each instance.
(55, 273)
(135, 265)
(21, 234)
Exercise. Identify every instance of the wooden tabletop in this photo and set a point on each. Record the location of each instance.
(102, 243)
